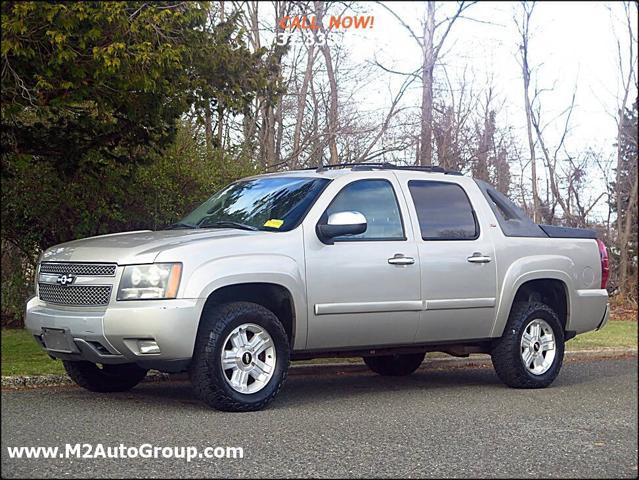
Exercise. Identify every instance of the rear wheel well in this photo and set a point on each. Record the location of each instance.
(550, 291)
(270, 295)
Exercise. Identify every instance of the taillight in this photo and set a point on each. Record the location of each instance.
(605, 269)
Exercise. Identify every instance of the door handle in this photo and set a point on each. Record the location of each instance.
(400, 259)
(478, 257)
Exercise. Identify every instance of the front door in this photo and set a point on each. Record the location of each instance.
(363, 290)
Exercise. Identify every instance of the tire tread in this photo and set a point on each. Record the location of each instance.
(211, 387)
(506, 353)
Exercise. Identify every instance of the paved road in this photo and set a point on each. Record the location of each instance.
(438, 422)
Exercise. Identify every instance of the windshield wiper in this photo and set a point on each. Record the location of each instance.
(227, 224)
(177, 225)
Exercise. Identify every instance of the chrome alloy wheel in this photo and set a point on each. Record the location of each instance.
(248, 358)
(538, 347)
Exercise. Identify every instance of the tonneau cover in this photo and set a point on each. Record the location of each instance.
(564, 232)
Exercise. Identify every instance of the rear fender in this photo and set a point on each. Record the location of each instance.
(524, 270)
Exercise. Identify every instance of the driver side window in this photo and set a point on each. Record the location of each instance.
(376, 200)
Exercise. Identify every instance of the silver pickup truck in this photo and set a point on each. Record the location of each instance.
(373, 260)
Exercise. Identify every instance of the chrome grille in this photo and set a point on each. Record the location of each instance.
(87, 269)
(89, 295)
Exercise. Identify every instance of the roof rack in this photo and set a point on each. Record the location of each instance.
(386, 166)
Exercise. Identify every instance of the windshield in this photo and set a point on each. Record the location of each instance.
(269, 203)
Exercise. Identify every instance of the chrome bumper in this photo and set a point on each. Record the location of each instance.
(110, 335)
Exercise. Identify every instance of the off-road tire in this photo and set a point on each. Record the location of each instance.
(109, 378)
(506, 353)
(206, 374)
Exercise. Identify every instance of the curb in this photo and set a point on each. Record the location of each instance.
(35, 381)
(477, 360)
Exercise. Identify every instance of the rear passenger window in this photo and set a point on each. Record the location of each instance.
(443, 210)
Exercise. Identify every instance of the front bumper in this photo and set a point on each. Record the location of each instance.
(110, 335)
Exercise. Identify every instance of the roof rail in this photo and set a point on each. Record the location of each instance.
(386, 166)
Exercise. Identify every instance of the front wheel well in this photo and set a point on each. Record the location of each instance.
(550, 291)
(276, 298)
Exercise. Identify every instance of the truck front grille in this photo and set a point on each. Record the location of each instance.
(88, 295)
(83, 269)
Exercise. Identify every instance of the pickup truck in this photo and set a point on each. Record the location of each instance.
(380, 261)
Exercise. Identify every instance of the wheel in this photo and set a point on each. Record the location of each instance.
(241, 357)
(531, 350)
(109, 378)
(395, 365)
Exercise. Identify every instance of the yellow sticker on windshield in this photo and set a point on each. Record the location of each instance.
(274, 223)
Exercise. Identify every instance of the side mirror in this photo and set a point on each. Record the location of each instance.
(341, 223)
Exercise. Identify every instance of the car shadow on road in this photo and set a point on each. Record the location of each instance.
(351, 385)
(334, 383)
(329, 384)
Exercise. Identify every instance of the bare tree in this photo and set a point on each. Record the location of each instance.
(453, 123)
(301, 105)
(551, 161)
(430, 44)
(523, 25)
(626, 202)
(332, 124)
(486, 133)
(392, 112)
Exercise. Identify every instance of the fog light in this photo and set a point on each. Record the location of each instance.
(148, 347)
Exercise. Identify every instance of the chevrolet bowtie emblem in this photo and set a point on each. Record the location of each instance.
(65, 279)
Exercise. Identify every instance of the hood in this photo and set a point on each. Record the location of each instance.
(133, 247)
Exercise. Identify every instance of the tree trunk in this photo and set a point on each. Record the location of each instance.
(220, 127)
(208, 130)
(301, 104)
(531, 144)
(624, 240)
(332, 112)
(316, 151)
(268, 136)
(278, 118)
(426, 149)
(480, 168)
(552, 176)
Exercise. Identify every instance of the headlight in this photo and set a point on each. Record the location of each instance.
(158, 280)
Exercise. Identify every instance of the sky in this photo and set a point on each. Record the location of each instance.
(572, 43)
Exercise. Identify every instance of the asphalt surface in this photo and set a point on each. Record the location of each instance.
(457, 422)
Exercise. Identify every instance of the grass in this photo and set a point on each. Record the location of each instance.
(21, 355)
(616, 334)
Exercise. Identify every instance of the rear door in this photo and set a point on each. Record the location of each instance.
(458, 268)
